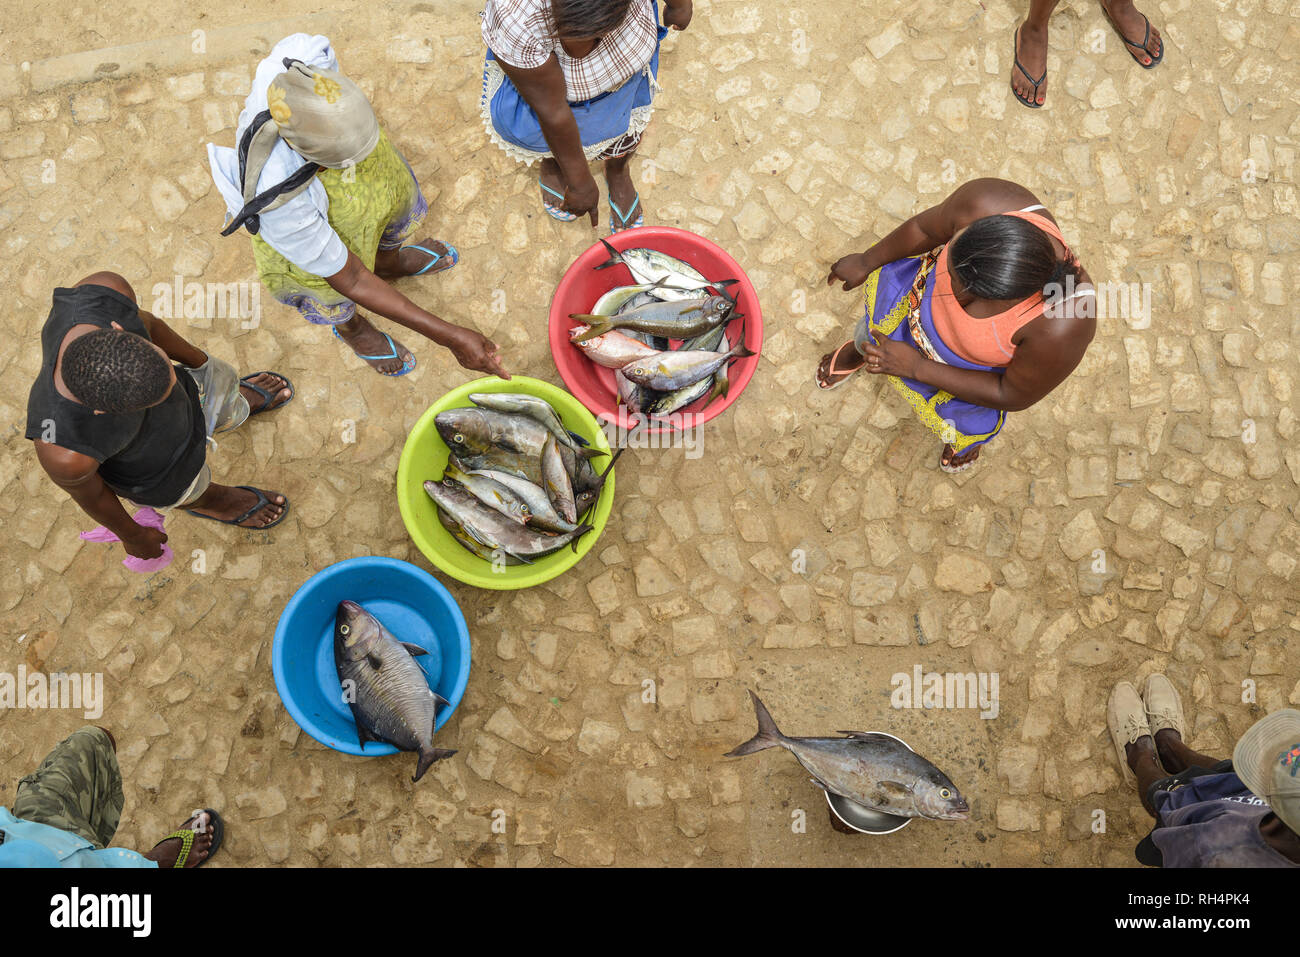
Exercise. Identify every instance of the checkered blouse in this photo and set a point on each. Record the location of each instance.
(518, 32)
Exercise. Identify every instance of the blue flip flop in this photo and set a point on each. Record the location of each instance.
(615, 211)
(452, 253)
(407, 364)
(555, 212)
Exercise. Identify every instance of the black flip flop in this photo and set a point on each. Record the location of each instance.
(262, 501)
(1155, 60)
(268, 397)
(1015, 56)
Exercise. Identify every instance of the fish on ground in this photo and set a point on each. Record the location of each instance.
(873, 770)
(386, 689)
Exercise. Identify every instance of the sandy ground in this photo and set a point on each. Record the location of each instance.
(1141, 518)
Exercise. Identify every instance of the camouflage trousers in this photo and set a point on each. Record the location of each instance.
(77, 788)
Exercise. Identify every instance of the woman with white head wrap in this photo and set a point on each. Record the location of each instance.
(332, 206)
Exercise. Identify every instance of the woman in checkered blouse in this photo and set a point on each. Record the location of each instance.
(571, 81)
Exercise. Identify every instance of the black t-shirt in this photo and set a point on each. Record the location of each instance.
(151, 456)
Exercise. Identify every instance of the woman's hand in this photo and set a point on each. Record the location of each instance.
(677, 14)
(477, 352)
(887, 357)
(583, 199)
(853, 270)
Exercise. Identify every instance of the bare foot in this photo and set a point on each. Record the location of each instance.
(166, 852)
(365, 340)
(227, 502)
(1031, 51)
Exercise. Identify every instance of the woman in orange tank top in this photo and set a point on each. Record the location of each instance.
(975, 308)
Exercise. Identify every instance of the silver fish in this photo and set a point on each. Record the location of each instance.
(493, 529)
(675, 320)
(632, 394)
(873, 770)
(674, 278)
(706, 340)
(557, 482)
(387, 691)
(669, 371)
(542, 513)
(670, 402)
(520, 403)
(468, 543)
(475, 431)
(491, 493)
(613, 350)
(619, 297)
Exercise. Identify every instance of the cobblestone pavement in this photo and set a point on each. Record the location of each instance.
(1141, 518)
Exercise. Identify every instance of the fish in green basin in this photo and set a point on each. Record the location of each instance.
(457, 532)
(874, 770)
(674, 320)
(538, 409)
(542, 513)
(386, 689)
(473, 431)
(491, 493)
(670, 371)
(557, 481)
(494, 530)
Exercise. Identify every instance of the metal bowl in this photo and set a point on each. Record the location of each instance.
(863, 819)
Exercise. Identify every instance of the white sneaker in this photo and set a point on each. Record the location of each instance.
(1126, 716)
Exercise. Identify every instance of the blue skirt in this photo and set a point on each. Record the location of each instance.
(609, 124)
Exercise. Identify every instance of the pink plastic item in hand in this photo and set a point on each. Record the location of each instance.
(148, 517)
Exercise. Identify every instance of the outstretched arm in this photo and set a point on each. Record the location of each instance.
(472, 350)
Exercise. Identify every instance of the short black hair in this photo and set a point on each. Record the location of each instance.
(115, 371)
(584, 19)
(1005, 257)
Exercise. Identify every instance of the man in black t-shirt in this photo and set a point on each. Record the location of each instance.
(112, 417)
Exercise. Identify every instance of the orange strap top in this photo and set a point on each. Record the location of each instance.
(986, 340)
